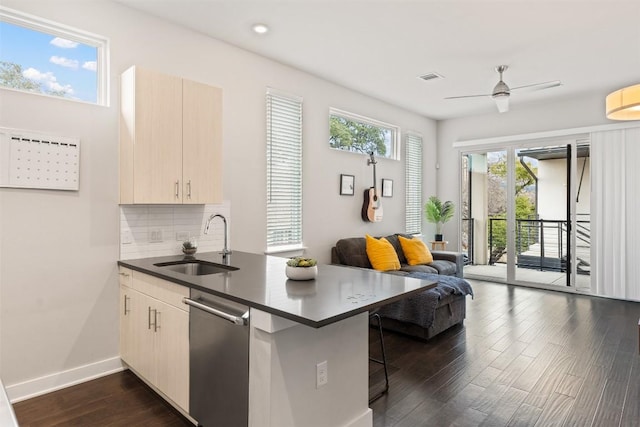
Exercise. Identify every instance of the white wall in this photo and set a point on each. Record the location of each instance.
(58, 283)
(564, 114)
(552, 181)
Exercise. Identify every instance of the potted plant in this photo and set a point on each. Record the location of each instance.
(438, 213)
(189, 247)
(300, 268)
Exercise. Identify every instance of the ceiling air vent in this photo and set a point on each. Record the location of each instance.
(430, 76)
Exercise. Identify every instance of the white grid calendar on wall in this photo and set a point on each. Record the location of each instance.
(36, 160)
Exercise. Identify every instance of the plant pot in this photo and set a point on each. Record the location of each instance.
(189, 251)
(438, 237)
(301, 273)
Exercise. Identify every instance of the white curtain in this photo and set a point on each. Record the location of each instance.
(615, 213)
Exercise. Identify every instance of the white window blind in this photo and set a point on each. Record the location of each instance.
(413, 178)
(284, 170)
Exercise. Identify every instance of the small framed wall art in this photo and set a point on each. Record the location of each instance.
(347, 185)
(387, 188)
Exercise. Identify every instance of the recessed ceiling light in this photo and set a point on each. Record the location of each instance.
(260, 28)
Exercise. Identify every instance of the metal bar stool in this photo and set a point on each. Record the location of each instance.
(383, 362)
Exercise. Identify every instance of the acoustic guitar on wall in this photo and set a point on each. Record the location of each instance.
(371, 208)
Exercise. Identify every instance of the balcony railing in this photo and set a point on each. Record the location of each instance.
(540, 244)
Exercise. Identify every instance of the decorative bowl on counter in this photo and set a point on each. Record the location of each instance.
(300, 268)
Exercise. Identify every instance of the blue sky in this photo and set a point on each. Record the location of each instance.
(56, 63)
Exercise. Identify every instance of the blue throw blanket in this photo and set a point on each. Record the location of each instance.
(420, 308)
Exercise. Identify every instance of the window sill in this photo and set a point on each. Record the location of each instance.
(282, 249)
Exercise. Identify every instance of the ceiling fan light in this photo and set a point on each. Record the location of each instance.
(501, 89)
(624, 104)
(502, 102)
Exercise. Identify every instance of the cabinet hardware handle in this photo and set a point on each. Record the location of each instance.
(236, 320)
(189, 189)
(155, 320)
(177, 189)
(154, 317)
(125, 305)
(124, 274)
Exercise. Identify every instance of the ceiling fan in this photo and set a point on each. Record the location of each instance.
(502, 92)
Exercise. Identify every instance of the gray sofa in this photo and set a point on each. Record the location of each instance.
(424, 315)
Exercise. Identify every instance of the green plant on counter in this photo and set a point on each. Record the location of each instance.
(301, 262)
(188, 244)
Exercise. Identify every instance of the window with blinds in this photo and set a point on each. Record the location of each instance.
(284, 170)
(413, 178)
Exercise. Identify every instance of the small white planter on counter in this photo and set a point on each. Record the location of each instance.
(301, 273)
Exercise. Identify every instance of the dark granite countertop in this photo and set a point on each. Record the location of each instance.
(260, 282)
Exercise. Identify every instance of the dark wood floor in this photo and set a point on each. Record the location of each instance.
(116, 400)
(525, 357)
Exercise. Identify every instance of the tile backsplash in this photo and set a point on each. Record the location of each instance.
(159, 230)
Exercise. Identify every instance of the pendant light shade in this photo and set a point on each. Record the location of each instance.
(502, 102)
(624, 104)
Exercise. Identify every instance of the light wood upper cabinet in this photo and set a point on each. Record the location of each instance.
(201, 142)
(170, 140)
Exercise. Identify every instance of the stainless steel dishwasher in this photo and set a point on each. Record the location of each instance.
(219, 361)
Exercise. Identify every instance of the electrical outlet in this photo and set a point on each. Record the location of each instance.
(126, 237)
(155, 235)
(322, 374)
(182, 236)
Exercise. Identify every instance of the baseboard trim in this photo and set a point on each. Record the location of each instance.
(364, 420)
(59, 380)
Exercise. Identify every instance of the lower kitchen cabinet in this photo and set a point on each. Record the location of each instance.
(154, 334)
(172, 351)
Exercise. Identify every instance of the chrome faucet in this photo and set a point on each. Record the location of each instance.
(225, 251)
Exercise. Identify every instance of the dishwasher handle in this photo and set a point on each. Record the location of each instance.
(236, 320)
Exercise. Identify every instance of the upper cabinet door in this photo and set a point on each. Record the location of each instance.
(202, 143)
(157, 176)
(170, 140)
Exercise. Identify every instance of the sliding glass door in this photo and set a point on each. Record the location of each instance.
(517, 215)
(541, 227)
(484, 214)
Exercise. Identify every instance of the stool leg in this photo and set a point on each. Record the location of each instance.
(383, 362)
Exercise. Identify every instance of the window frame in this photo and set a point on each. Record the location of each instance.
(55, 29)
(413, 182)
(273, 246)
(394, 152)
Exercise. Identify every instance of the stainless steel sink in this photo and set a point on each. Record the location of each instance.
(195, 267)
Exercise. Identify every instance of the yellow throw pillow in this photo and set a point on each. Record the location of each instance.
(382, 255)
(415, 251)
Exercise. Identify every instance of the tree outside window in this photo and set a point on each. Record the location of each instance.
(361, 135)
(497, 207)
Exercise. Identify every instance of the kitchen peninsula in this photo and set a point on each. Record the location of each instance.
(294, 327)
